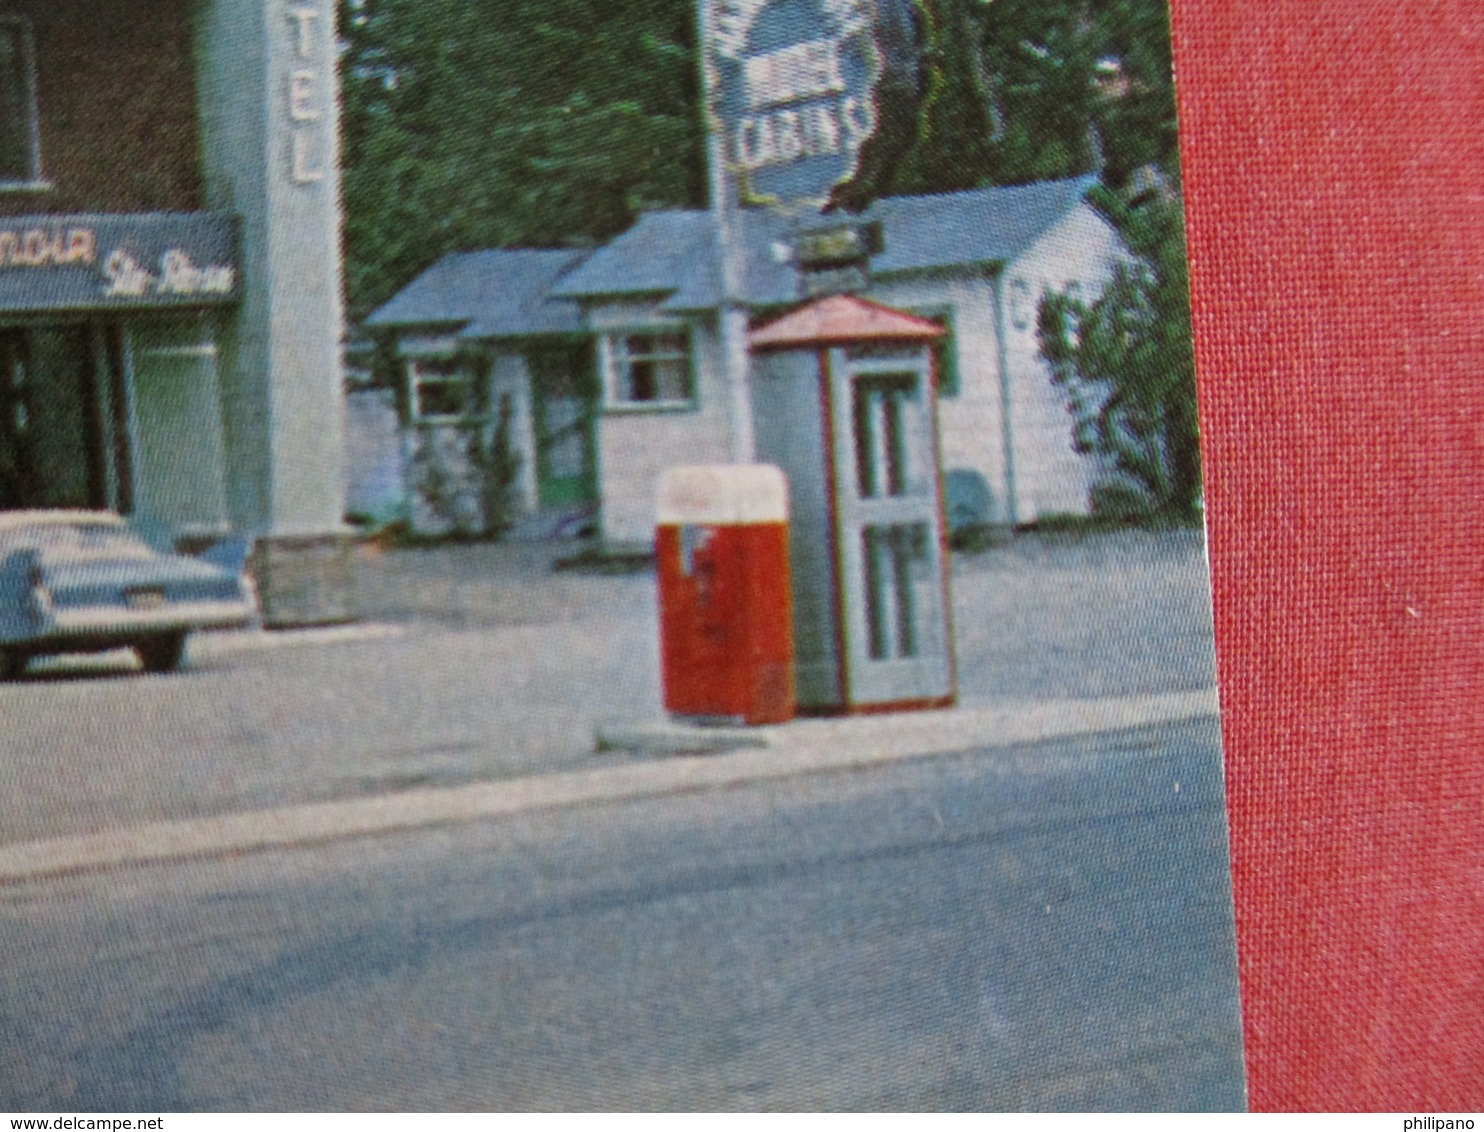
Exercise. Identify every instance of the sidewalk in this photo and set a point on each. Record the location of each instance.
(479, 674)
(792, 749)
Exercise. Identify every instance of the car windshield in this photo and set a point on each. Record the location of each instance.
(77, 542)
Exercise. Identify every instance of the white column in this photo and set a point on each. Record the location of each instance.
(268, 91)
(732, 319)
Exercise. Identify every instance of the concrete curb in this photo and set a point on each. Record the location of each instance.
(802, 747)
(663, 737)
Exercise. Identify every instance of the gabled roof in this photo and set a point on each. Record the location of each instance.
(979, 226)
(656, 256)
(842, 318)
(671, 253)
(506, 292)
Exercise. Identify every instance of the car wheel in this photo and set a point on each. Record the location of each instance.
(12, 664)
(161, 654)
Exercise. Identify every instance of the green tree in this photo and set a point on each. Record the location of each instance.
(1028, 90)
(490, 123)
(1125, 359)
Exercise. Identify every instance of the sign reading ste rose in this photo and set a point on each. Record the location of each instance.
(101, 261)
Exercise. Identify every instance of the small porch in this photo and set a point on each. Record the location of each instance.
(496, 396)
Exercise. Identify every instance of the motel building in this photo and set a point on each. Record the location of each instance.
(169, 277)
(610, 362)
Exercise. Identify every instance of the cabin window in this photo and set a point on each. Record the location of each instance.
(945, 349)
(649, 370)
(442, 389)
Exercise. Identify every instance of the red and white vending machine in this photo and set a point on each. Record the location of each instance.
(726, 608)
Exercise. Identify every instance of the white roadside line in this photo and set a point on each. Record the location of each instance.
(804, 747)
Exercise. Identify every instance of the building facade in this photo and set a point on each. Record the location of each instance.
(647, 303)
(170, 312)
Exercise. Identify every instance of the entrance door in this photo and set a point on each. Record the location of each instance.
(180, 484)
(890, 530)
(62, 436)
(564, 396)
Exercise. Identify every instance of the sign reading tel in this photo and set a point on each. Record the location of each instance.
(793, 90)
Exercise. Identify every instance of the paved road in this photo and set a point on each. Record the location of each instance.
(480, 664)
(1045, 927)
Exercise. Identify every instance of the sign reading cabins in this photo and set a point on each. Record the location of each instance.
(88, 262)
(792, 84)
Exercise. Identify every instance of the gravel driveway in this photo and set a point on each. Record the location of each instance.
(479, 662)
(1047, 616)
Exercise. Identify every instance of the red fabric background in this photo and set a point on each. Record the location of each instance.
(1334, 158)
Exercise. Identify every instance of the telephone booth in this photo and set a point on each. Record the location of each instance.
(844, 403)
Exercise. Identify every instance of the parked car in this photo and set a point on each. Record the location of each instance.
(83, 581)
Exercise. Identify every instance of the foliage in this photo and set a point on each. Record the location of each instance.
(496, 465)
(465, 473)
(438, 470)
(498, 123)
(1126, 363)
(494, 123)
(1028, 90)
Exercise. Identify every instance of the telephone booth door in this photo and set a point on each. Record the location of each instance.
(889, 527)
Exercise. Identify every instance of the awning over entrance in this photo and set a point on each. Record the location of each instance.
(117, 262)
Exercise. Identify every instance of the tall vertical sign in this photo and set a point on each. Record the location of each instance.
(793, 94)
(789, 102)
(306, 96)
(268, 96)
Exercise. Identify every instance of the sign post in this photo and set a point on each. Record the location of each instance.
(731, 255)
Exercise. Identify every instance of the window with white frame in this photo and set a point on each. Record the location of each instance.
(649, 369)
(20, 149)
(440, 389)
